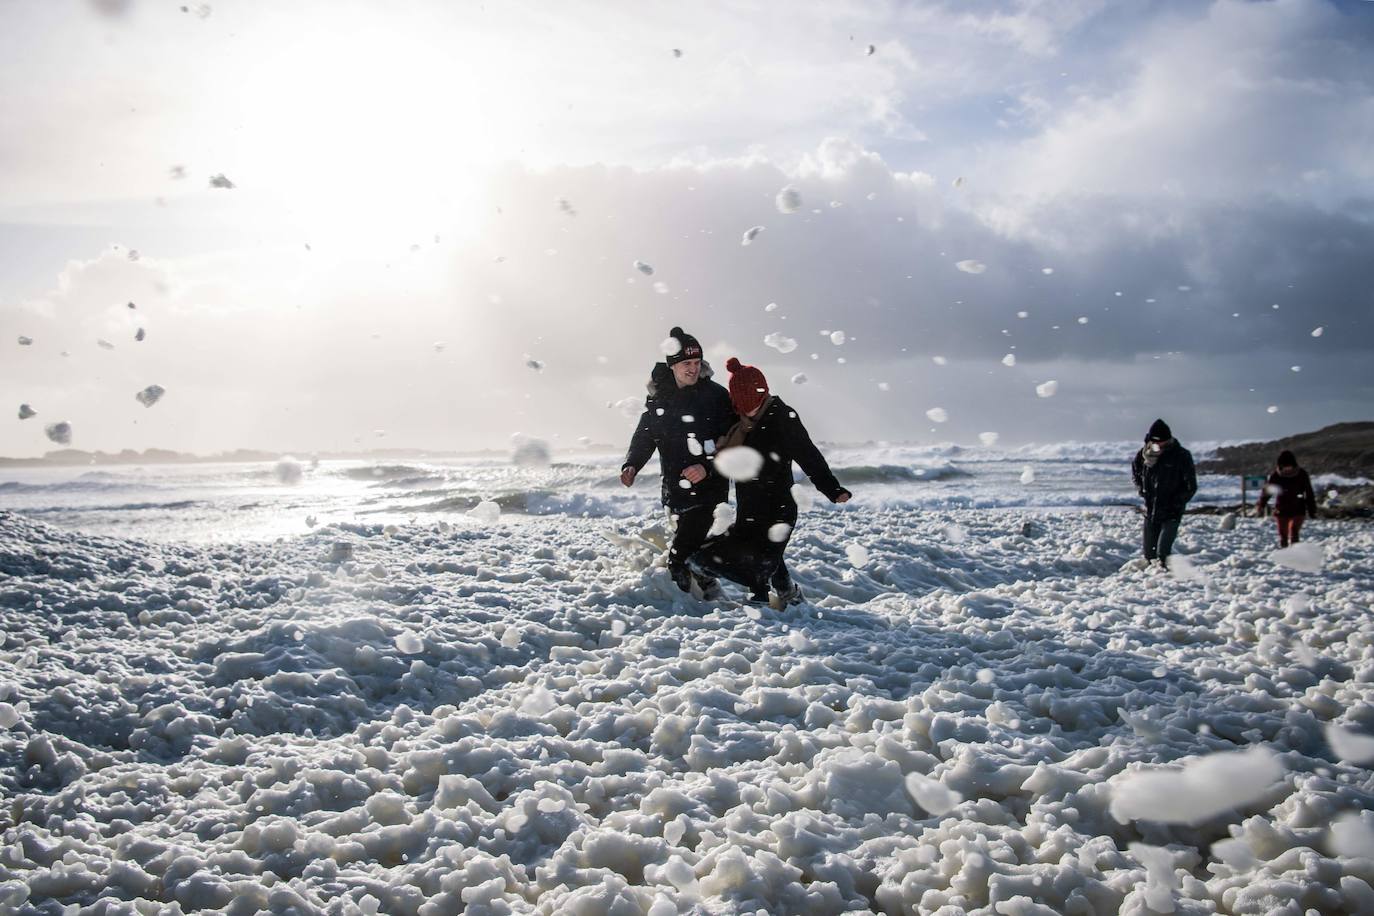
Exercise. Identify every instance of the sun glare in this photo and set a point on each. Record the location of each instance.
(371, 141)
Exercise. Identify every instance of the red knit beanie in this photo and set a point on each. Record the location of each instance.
(748, 387)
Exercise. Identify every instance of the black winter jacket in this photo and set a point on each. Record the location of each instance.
(683, 424)
(1169, 484)
(781, 438)
(1292, 494)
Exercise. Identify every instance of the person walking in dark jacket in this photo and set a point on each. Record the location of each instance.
(1164, 475)
(684, 414)
(1294, 500)
(751, 552)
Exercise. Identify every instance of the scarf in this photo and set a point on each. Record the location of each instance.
(743, 428)
(1152, 452)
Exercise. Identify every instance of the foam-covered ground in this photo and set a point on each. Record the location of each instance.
(524, 718)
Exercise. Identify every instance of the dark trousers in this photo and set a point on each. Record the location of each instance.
(1159, 537)
(692, 527)
(746, 555)
(1289, 526)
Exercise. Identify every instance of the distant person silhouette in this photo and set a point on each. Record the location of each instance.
(1294, 501)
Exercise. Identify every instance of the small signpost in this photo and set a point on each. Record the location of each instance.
(1247, 481)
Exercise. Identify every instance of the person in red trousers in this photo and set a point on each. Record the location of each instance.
(1294, 500)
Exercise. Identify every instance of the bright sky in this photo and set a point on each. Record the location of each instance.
(1154, 204)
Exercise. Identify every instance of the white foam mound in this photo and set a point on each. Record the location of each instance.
(1352, 835)
(722, 517)
(780, 342)
(486, 512)
(1304, 557)
(857, 554)
(629, 408)
(739, 462)
(788, 200)
(937, 415)
(1160, 880)
(1047, 389)
(931, 794)
(150, 395)
(288, 470)
(1202, 789)
(1349, 746)
(750, 234)
(1180, 567)
(971, 266)
(531, 452)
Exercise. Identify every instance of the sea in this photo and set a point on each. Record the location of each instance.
(209, 502)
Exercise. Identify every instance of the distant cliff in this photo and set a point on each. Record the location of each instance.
(1346, 449)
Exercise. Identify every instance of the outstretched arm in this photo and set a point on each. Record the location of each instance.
(1138, 472)
(812, 462)
(1189, 480)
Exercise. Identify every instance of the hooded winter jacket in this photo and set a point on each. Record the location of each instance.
(1292, 493)
(682, 424)
(779, 436)
(1168, 484)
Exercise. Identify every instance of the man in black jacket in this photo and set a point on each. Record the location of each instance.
(684, 414)
(751, 552)
(1164, 475)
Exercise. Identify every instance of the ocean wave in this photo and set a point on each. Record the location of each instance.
(122, 507)
(419, 480)
(517, 502)
(384, 472)
(1074, 452)
(78, 485)
(1338, 480)
(947, 500)
(898, 473)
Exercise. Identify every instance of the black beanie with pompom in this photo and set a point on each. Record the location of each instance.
(688, 348)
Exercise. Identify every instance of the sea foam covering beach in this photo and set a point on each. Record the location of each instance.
(471, 687)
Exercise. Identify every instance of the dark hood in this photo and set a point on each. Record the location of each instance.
(1159, 430)
(662, 383)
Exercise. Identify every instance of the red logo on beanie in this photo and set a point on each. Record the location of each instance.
(748, 387)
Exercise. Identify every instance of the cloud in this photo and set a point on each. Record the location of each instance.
(1175, 164)
(283, 345)
(1226, 101)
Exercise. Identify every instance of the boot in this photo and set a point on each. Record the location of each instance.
(710, 589)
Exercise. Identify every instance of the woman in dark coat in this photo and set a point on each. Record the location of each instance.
(751, 552)
(1294, 500)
